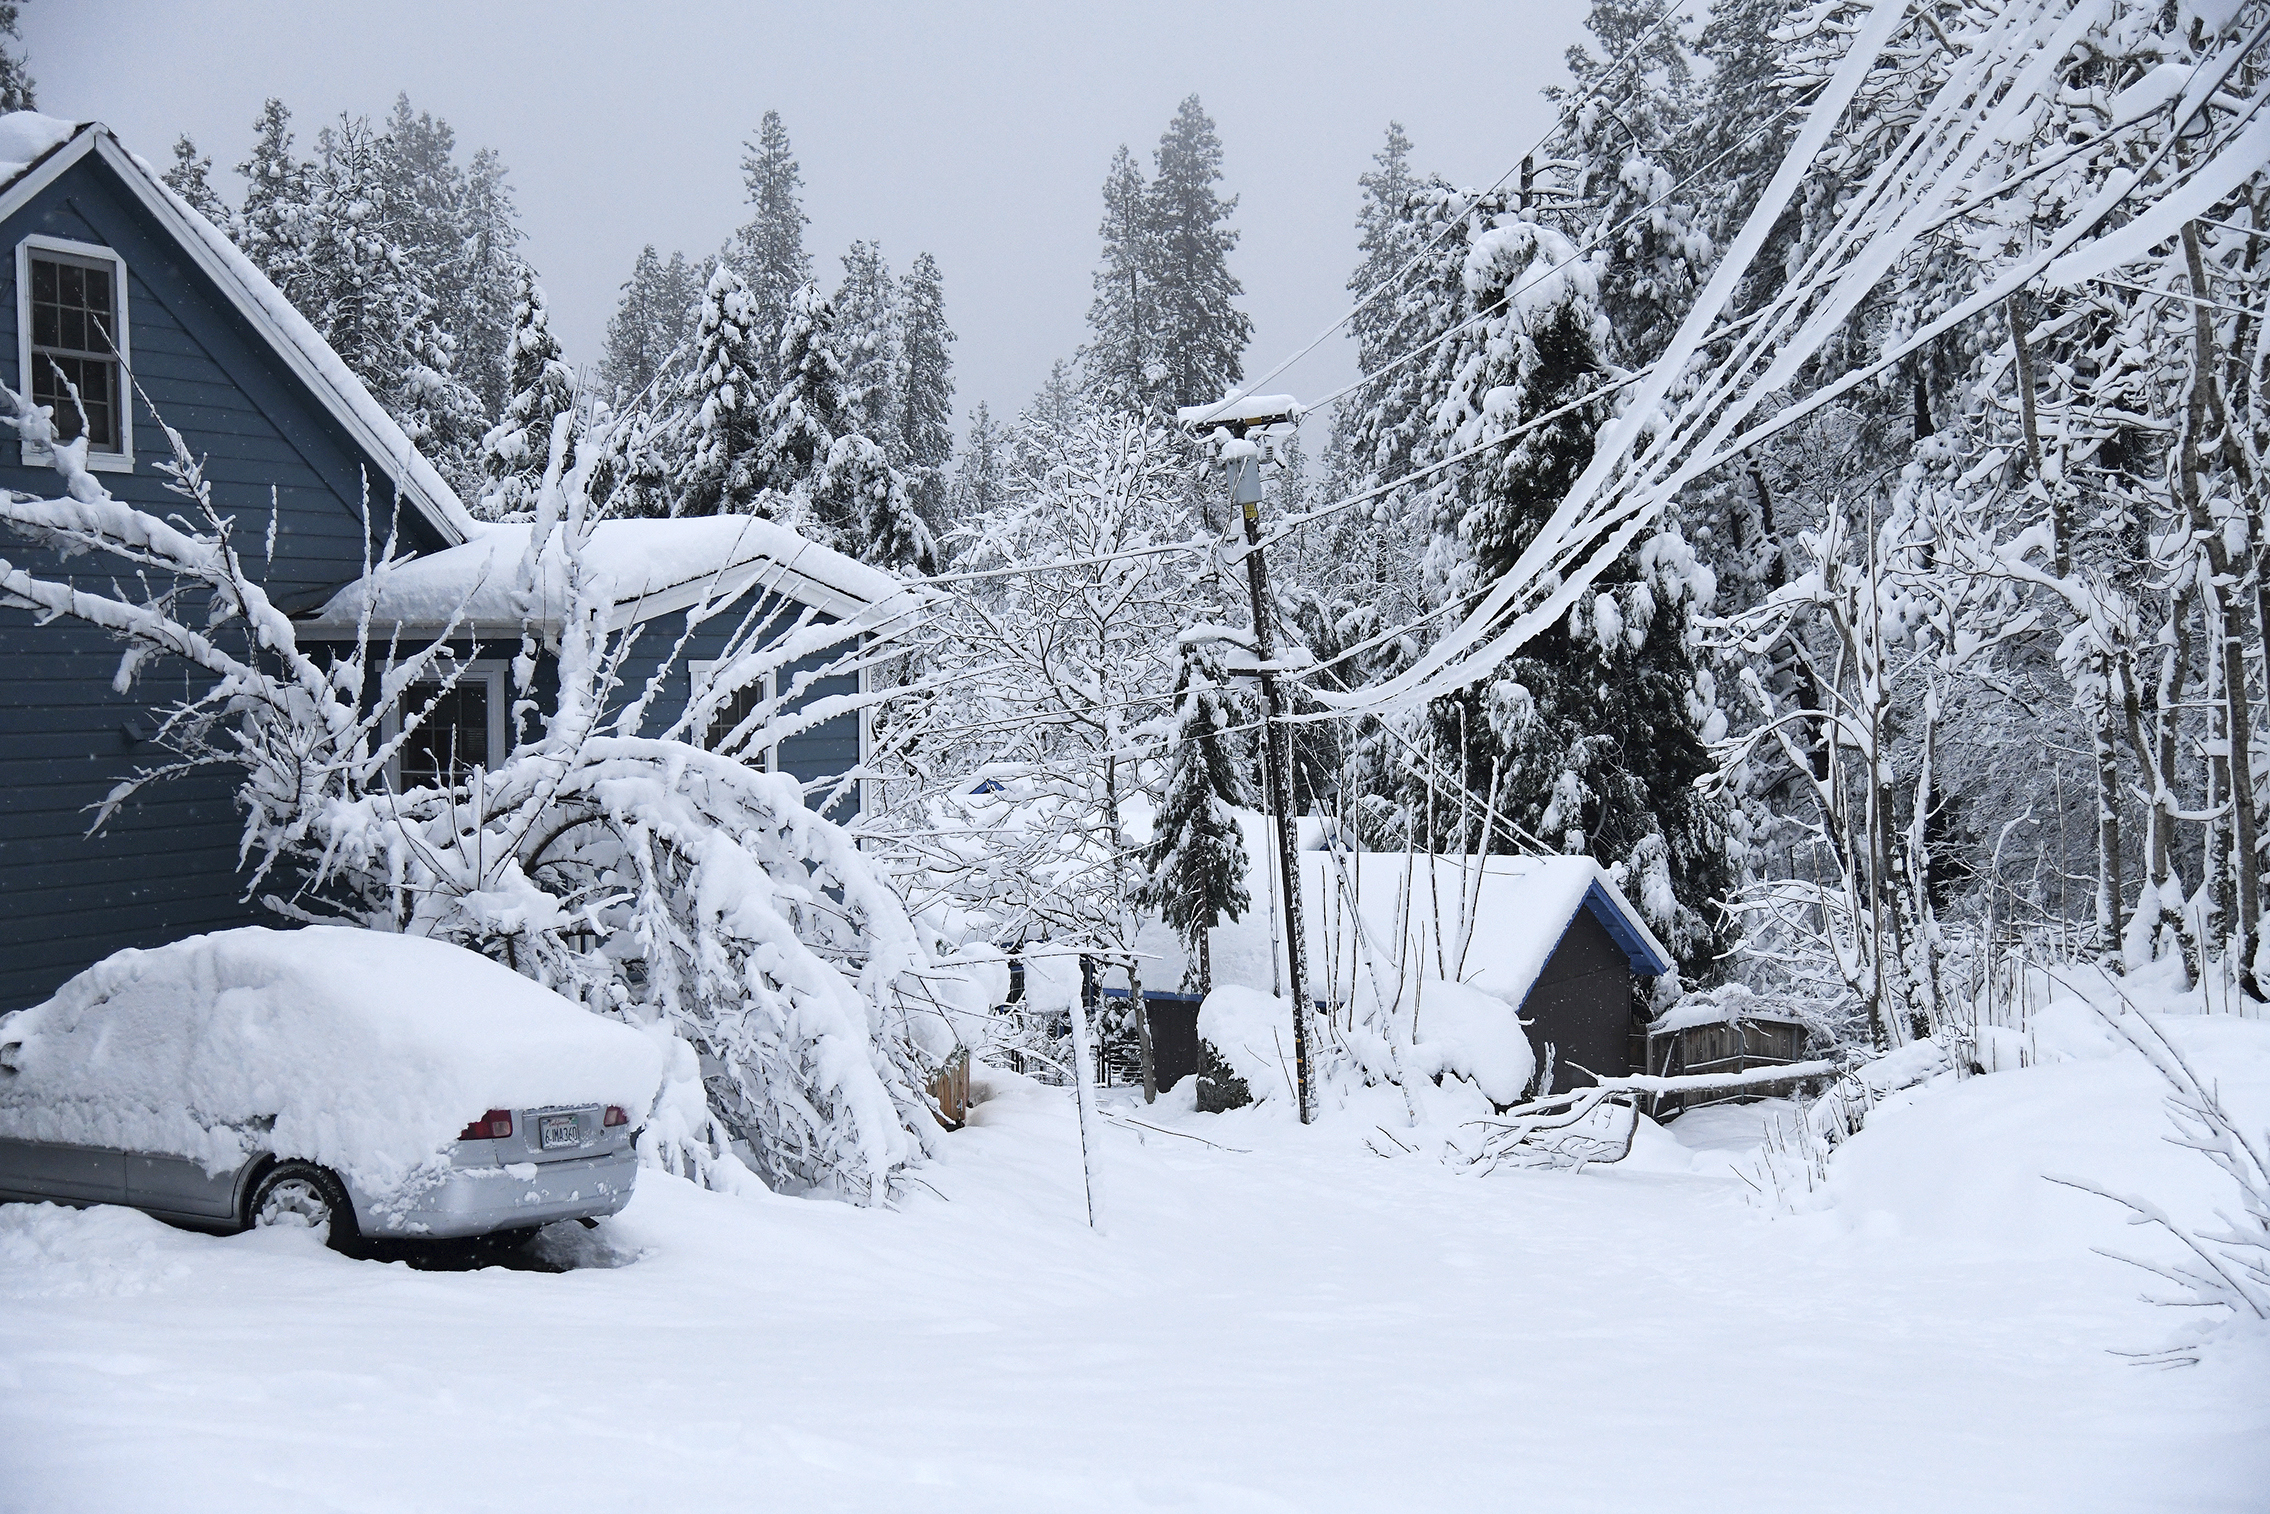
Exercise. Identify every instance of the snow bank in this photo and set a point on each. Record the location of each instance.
(1470, 1034)
(1253, 1033)
(368, 1052)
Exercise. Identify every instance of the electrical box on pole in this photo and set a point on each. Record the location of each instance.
(1240, 418)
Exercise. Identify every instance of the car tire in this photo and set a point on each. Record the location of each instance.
(304, 1195)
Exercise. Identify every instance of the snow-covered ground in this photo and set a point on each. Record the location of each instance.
(1292, 1324)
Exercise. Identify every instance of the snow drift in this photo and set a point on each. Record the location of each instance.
(368, 1051)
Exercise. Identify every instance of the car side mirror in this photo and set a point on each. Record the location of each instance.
(8, 1057)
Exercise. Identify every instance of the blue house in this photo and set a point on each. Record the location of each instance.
(113, 282)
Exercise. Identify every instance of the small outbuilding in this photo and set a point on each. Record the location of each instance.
(1553, 938)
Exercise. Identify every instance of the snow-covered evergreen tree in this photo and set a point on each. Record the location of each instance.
(1120, 364)
(804, 415)
(866, 308)
(1201, 334)
(1592, 737)
(481, 292)
(1386, 243)
(459, 229)
(768, 249)
(275, 197)
(1196, 858)
(926, 389)
(659, 312)
(352, 275)
(979, 481)
(516, 450)
(191, 178)
(16, 88)
(719, 423)
(1646, 236)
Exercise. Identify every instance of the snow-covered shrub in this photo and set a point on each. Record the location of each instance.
(649, 876)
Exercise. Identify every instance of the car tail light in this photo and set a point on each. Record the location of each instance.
(493, 1126)
(616, 1115)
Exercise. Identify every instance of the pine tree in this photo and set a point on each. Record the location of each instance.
(657, 316)
(865, 503)
(483, 291)
(926, 393)
(805, 414)
(191, 178)
(1591, 734)
(983, 476)
(867, 340)
(1119, 366)
(1384, 237)
(16, 90)
(718, 430)
(768, 251)
(1201, 335)
(351, 276)
(275, 197)
(517, 449)
(1649, 244)
(819, 475)
(1196, 858)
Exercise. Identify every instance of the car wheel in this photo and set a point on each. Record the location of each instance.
(304, 1196)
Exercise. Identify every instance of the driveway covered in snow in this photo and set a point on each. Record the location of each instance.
(1297, 1323)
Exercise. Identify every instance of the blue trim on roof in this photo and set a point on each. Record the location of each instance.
(1629, 939)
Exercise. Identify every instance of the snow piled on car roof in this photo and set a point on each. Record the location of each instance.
(365, 1051)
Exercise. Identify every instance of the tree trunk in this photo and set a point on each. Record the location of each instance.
(2060, 508)
(1142, 1032)
(2109, 889)
(2221, 604)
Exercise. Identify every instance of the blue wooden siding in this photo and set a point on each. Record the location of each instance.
(167, 866)
(818, 756)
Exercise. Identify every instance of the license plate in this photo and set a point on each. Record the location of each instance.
(557, 1130)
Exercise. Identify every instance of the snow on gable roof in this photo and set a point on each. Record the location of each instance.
(650, 568)
(1521, 908)
(36, 149)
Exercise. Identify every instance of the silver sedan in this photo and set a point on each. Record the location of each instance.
(509, 1173)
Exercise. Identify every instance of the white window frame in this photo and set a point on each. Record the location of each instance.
(491, 671)
(700, 672)
(97, 462)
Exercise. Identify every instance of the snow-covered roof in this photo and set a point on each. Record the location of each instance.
(1362, 908)
(1517, 910)
(1726, 1005)
(650, 568)
(36, 149)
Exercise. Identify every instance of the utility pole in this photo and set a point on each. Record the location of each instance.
(1243, 459)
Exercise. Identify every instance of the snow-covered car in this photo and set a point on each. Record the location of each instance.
(384, 1086)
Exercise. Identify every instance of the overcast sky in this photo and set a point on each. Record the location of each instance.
(978, 133)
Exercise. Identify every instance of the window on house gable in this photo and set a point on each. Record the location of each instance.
(75, 342)
(460, 728)
(737, 707)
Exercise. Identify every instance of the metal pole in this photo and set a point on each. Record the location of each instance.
(1245, 475)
